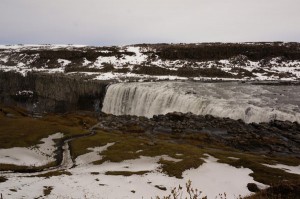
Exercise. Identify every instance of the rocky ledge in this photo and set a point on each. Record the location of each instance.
(273, 138)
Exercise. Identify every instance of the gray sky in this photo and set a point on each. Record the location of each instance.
(115, 22)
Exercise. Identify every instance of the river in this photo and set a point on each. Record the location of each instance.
(236, 100)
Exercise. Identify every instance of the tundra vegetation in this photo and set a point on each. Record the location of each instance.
(132, 142)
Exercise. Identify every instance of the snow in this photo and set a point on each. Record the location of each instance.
(21, 156)
(126, 76)
(106, 76)
(4, 59)
(92, 156)
(67, 161)
(90, 181)
(286, 168)
(86, 62)
(275, 66)
(24, 92)
(214, 178)
(38, 155)
(233, 158)
(105, 51)
(23, 70)
(64, 62)
(168, 158)
(136, 59)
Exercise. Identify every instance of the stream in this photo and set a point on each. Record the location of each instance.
(64, 152)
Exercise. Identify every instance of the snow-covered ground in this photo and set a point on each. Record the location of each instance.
(92, 156)
(126, 58)
(38, 155)
(90, 181)
(86, 180)
(123, 77)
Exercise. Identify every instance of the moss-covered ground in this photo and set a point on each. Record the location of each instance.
(17, 129)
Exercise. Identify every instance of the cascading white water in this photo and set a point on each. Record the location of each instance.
(251, 103)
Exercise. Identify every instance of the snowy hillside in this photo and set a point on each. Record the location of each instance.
(252, 61)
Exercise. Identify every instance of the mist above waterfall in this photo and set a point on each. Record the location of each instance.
(251, 103)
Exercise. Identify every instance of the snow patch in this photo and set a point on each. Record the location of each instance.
(286, 168)
(64, 62)
(38, 155)
(92, 156)
(214, 178)
(86, 62)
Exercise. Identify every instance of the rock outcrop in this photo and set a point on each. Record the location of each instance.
(40, 92)
(275, 137)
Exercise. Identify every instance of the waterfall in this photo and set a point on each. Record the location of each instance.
(250, 103)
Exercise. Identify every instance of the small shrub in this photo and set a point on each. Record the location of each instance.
(253, 187)
(2, 179)
(177, 193)
(47, 190)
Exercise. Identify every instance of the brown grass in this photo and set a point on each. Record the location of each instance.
(24, 131)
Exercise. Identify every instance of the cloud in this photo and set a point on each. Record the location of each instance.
(114, 22)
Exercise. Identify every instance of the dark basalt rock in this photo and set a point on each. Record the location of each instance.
(275, 137)
(51, 92)
(253, 187)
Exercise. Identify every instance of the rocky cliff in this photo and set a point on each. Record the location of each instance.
(40, 92)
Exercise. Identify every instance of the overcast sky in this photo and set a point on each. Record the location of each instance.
(115, 22)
